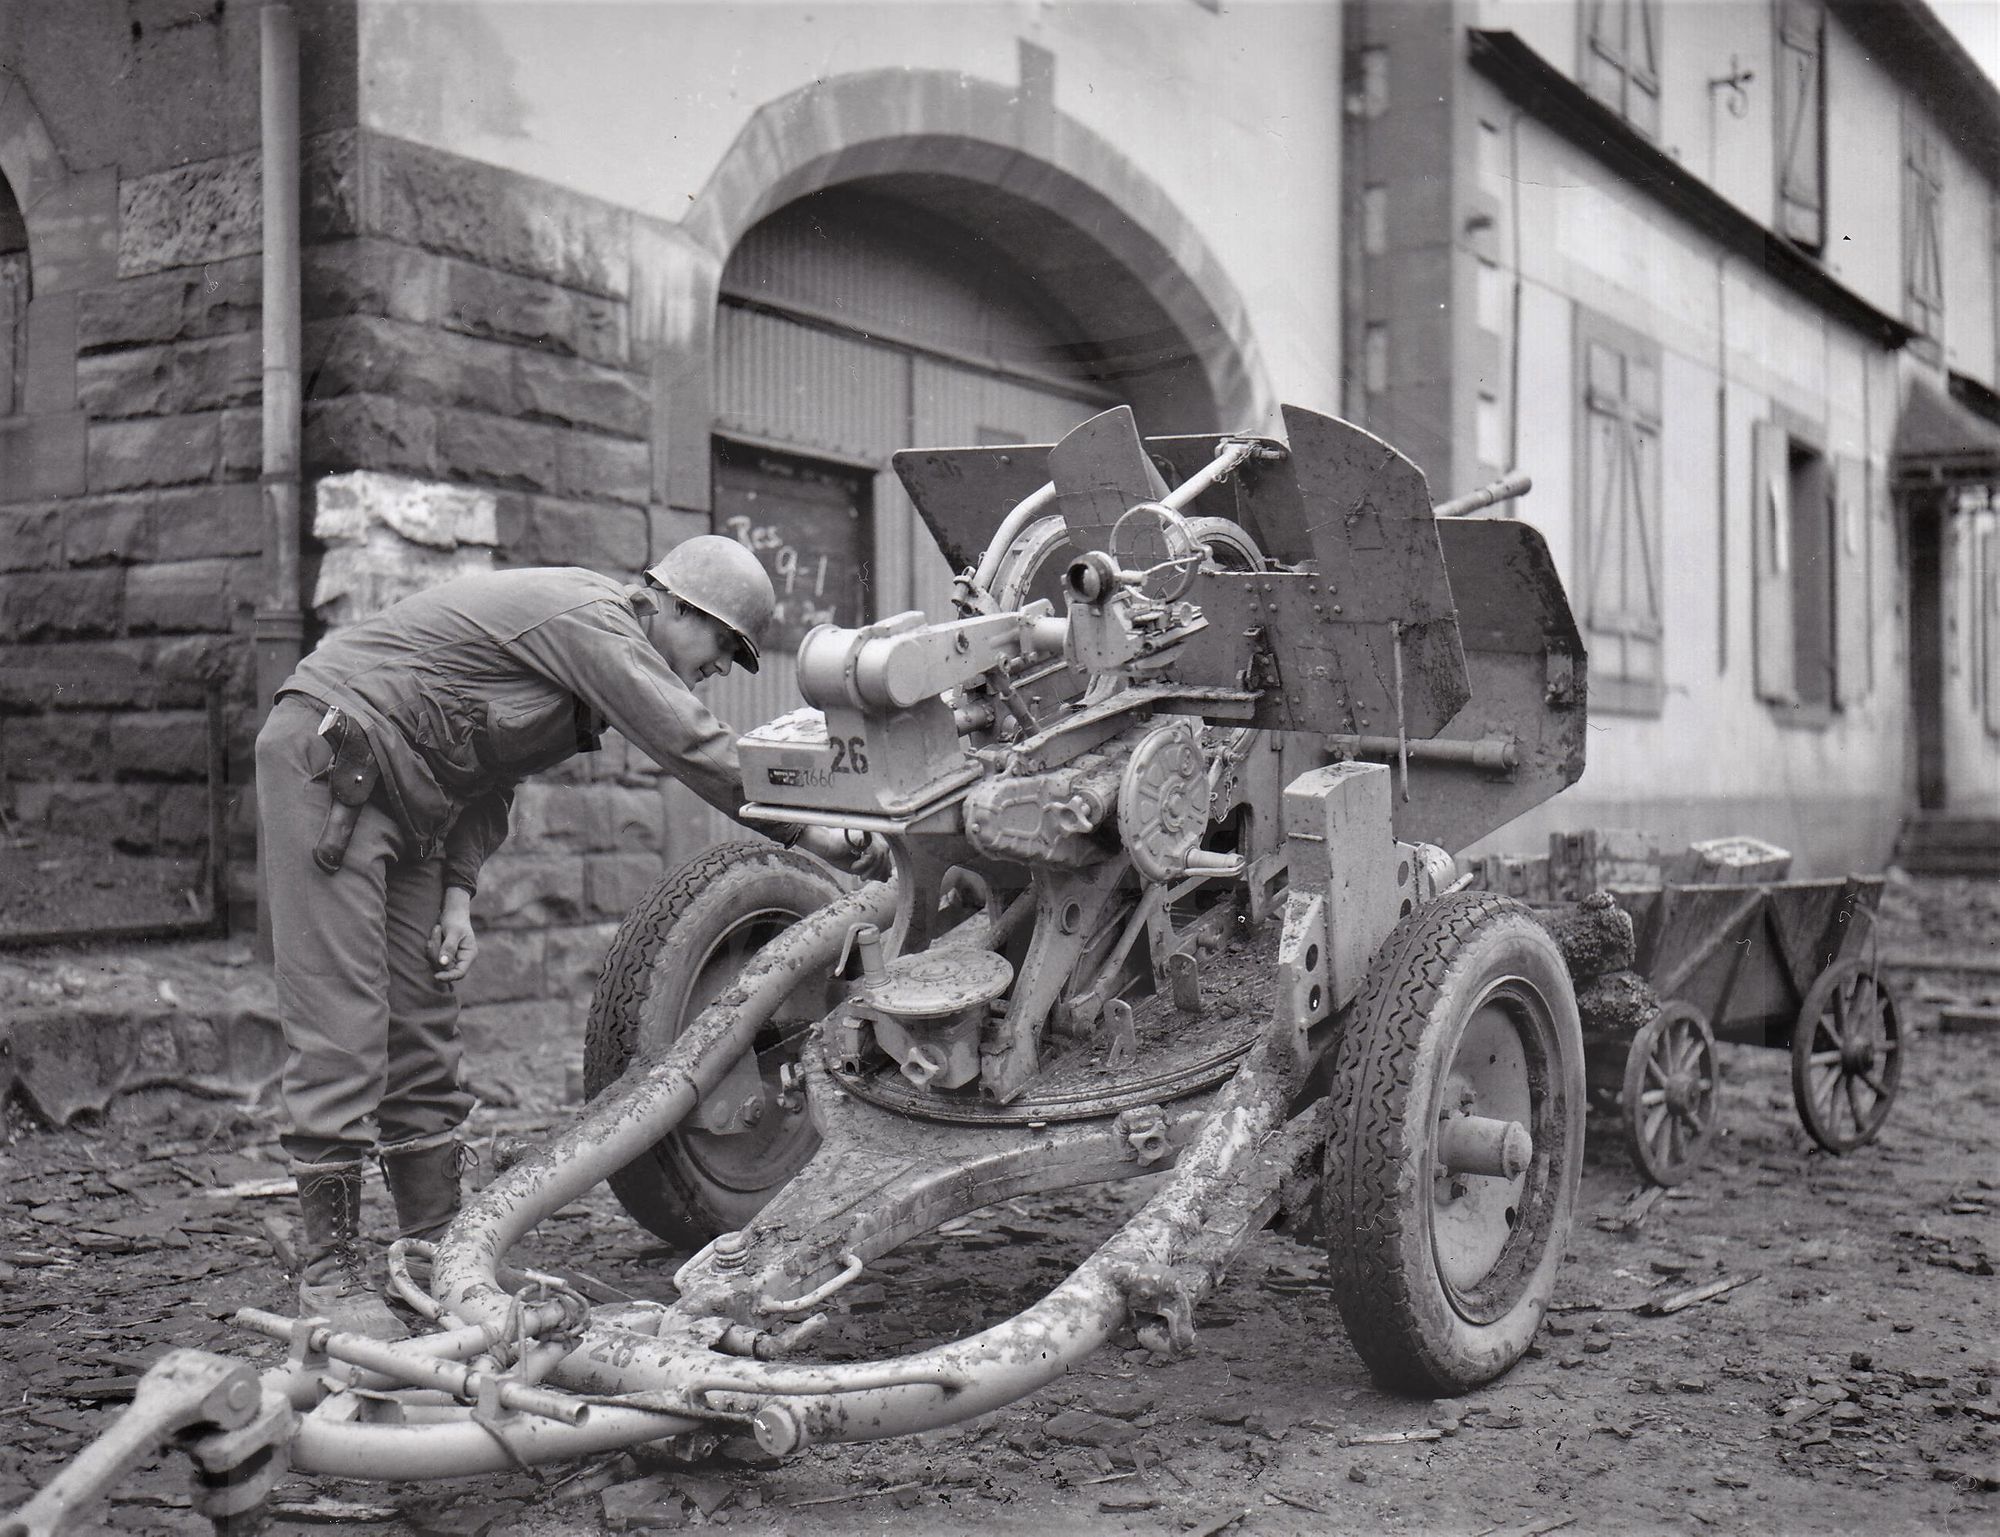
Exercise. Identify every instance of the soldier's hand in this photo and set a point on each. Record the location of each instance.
(868, 856)
(863, 854)
(453, 944)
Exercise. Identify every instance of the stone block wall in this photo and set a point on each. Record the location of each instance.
(476, 397)
(131, 530)
(474, 394)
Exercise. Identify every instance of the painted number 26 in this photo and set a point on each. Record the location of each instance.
(850, 755)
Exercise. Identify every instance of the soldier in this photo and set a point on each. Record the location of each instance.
(385, 774)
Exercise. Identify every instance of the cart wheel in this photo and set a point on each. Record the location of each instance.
(687, 940)
(1451, 1174)
(1669, 1098)
(1847, 1057)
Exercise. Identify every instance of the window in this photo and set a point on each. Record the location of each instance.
(1801, 122)
(811, 525)
(1621, 59)
(1923, 245)
(1989, 599)
(1375, 358)
(1618, 480)
(1375, 219)
(1811, 536)
(1976, 506)
(1368, 84)
(13, 297)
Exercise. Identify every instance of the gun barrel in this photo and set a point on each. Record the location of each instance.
(1505, 489)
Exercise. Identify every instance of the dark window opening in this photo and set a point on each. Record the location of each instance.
(1813, 591)
(13, 297)
(809, 523)
(1811, 498)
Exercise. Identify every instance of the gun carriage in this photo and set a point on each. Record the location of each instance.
(1106, 774)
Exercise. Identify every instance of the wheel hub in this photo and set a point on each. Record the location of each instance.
(1683, 1092)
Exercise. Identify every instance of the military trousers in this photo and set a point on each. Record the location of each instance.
(372, 1037)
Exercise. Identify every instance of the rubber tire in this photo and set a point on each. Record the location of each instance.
(648, 974)
(1391, 1068)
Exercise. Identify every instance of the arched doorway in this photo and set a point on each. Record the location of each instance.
(897, 310)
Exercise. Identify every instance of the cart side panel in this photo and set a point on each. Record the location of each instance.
(1746, 955)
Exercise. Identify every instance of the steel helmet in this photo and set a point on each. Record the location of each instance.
(726, 582)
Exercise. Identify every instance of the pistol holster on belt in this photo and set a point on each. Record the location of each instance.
(351, 776)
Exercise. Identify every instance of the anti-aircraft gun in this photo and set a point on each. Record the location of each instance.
(1198, 691)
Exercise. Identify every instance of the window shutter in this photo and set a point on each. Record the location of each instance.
(1620, 59)
(1621, 585)
(1604, 51)
(1642, 531)
(1922, 237)
(1853, 584)
(1801, 122)
(1771, 592)
(1642, 72)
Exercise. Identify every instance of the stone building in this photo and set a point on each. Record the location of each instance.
(575, 280)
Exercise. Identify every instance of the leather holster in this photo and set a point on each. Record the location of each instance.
(351, 776)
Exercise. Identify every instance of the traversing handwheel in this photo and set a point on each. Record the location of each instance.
(1847, 1057)
(1451, 1174)
(685, 942)
(1669, 1093)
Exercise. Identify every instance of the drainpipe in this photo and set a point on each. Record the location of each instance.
(280, 622)
(279, 629)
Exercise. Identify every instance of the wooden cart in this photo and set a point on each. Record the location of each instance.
(1788, 965)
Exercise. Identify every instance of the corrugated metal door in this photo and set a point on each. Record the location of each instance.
(842, 337)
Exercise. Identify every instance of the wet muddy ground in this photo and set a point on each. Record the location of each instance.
(1846, 1384)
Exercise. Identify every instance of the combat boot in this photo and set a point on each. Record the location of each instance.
(333, 1276)
(423, 1176)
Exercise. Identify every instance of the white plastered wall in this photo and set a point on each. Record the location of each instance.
(1233, 114)
(1717, 759)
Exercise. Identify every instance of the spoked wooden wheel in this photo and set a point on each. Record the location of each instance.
(1847, 1057)
(1669, 1096)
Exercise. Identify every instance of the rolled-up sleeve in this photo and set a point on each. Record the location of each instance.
(613, 668)
(480, 829)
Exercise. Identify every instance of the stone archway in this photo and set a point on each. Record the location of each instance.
(880, 125)
(72, 218)
(71, 226)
